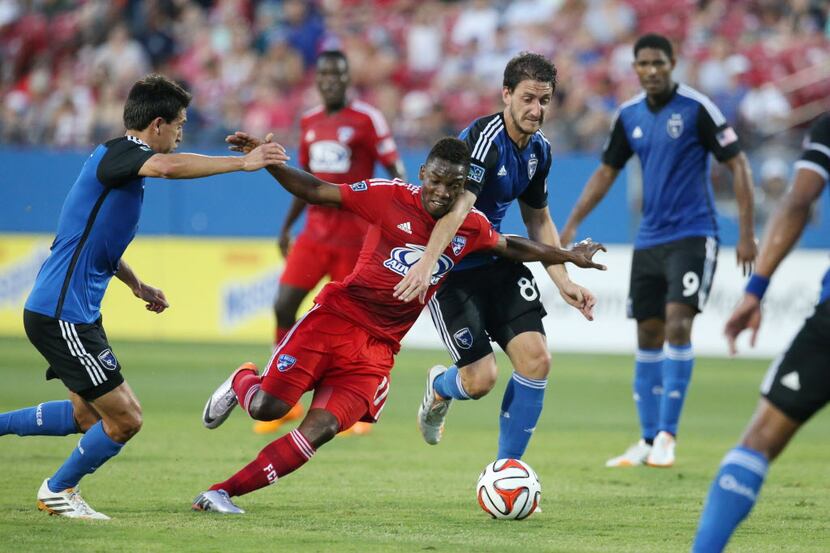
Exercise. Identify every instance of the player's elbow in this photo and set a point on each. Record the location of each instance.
(163, 166)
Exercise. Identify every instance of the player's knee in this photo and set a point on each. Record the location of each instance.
(679, 330)
(651, 334)
(285, 308)
(319, 427)
(265, 407)
(126, 426)
(479, 379)
(536, 366)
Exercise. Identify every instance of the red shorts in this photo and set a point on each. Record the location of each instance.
(309, 261)
(347, 367)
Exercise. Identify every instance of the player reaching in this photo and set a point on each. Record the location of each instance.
(62, 316)
(340, 141)
(796, 386)
(344, 347)
(672, 128)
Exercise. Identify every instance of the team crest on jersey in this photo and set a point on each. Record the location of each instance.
(285, 362)
(476, 173)
(674, 126)
(359, 186)
(458, 243)
(532, 163)
(107, 359)
(344, 134)
(464, 338)
(402, 258)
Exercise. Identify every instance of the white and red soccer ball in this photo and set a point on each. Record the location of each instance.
(508, 489)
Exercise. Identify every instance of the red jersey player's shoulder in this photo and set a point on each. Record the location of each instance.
(374, 115)
(312, 113)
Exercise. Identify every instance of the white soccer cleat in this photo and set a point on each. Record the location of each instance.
(432, 412)
(67, 503)
(634, 456)
(222, 401)
(216, 501)
(662, 453)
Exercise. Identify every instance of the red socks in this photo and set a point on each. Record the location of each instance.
(279, 458)
(245, 385)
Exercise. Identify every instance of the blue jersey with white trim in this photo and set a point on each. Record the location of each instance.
(98, 220)
(816, 157)
(673, 142)
(501, 172)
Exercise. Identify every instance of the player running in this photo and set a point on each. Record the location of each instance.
(796, 386)
(511, 159)
(340, 141)
(672, 128)
(62, 315)
(344, 347)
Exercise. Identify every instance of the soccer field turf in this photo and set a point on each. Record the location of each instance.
(388, 491)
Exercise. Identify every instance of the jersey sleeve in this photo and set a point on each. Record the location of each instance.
(122, 162)
(715, 133)
(367, 198)
(383, 145)
(816, 154)
(302, 148)
(536, 193)
(482, 234)
(484, 154)
(617, 150)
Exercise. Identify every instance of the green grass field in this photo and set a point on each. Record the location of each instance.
(388, 491)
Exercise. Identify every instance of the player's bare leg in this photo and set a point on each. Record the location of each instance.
(770, 430)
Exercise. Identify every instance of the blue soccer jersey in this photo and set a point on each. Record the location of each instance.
(98, 220)
(673, 142)
(816, 157)
(501, 172)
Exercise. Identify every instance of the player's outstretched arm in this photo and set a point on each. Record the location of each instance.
(155, 298)
(191, 166)
(416, 281)
(747, 248)
(521, 249)
(595, 190)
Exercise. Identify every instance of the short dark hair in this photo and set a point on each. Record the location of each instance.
(334, 55)
(653, 40)
(529, 66)
(452, 150)
(151, 97)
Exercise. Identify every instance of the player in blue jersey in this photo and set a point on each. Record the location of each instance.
(62, 315)
(672, 128)
(485, 298)
(797, 384)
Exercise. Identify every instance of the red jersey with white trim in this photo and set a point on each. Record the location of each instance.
(399, 229)
(343, 147)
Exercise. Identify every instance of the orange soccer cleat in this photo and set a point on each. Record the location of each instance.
(358, 429)
(268, 427)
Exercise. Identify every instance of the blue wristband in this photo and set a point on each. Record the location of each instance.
(757, 285)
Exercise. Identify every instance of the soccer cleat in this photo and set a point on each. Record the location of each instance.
(433, 411)
(662, 453)
(216, 501)
(222, 401)
(67, 503)
(269, 427)
(634, 456)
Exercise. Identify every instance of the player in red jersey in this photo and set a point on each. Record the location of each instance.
(340, 141)
(343, 348)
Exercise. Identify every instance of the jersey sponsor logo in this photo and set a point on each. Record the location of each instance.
(464, 338)
(285, 362)
(359, 186)
(329, 156)
(344, 134)
(637, 132)
(107, 359)
(402, 258)
(532, 163)
(458, 243)
(726, 137)
(791, 381)
(476, 173)
(674, 126)
(502, 172)
(406, 227)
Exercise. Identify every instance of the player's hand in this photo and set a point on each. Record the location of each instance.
(745, 252)
(242, 142)
(583, 253)
(284, 243)
(580, 298)
(747, 314)
(268, 153)
(155, 298)
(415, 283)
(567, 234)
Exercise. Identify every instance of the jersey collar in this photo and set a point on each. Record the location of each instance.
(664, 103)
(135, 139)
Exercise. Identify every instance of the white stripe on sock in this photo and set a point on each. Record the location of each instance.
(745, 460)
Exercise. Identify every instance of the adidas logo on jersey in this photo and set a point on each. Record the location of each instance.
(637, 132)
(502, 172)
(406, 227)
(791, 381)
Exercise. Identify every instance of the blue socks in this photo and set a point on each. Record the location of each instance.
(448, 385)
(520, 410)
(677, 371)
(731, 497)
(53, 418)
(648, 389)
(94, 449)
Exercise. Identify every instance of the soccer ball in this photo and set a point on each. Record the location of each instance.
(508, 489)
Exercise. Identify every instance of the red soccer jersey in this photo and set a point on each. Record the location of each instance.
(343, 147)
(398, 232)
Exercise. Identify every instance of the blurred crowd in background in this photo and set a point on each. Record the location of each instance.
(430, 66)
